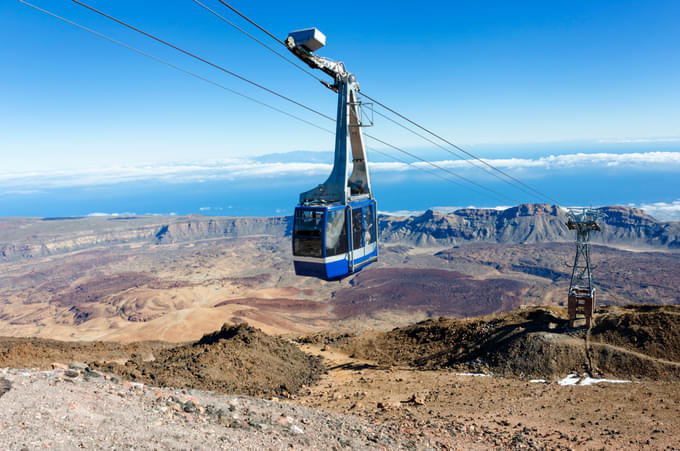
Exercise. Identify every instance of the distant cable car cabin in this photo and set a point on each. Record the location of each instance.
(335, 224)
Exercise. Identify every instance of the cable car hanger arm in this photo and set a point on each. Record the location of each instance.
(303, 50)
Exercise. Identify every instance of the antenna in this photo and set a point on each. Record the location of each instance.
(581, 290)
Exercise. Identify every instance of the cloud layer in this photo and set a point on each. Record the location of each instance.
(664, 211)
(26, 182)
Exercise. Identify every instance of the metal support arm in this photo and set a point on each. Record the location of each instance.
(339, 187)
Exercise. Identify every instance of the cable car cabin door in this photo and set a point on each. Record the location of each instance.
(323, 245)
(364, 249)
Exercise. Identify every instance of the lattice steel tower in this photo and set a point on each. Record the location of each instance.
(581, 289)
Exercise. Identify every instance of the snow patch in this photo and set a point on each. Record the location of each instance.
(575, 379)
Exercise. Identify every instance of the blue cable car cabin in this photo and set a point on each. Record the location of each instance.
(322, 244)
(335, 224)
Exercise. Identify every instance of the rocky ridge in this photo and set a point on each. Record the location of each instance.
(26, 238)
(528, 223)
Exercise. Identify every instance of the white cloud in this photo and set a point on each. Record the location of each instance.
(661, 210)
(588, 160)
(402, 213)
(445, 210)
(639, 140)
(97, 214)
(234, 169)
(169, 172)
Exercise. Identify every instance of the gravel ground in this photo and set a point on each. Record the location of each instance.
(75, 407)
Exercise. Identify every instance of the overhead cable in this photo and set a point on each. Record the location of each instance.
(200, 77)
(474, 157)
(216, 66)
(442, 168)
(248, 19)
(413, 165)
(435, 143)
(175, 67)
(496, 193)
(281, 55)
(545, 196)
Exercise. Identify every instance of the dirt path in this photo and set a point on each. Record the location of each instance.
(468, 412)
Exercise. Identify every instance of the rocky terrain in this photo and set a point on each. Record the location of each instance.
(177, 278)
(24, 238)
(636, 341)
(529, 223)
(73, 407)
(495, 382)
(235, 359)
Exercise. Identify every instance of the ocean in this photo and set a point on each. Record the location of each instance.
(407, 192)
(641, 174)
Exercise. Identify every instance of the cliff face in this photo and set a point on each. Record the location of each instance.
(40, 237)
(530, 223)
(222, 228)
(632, 225)
(525, 223)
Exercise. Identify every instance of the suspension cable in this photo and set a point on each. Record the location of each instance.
(197, 76)
(281, 55)
(460, 149)
(435, 165)
(175, 67)
(216, 66)
(496, 193)
(413, 165)
(500, 171)
(435, 143)
(288, 60)
(248, 19)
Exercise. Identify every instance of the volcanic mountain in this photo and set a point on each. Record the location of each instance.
(176, 278)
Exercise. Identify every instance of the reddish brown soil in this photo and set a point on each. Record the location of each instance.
(412, 383)
(649, 329)
(41, 353)
(436, 292)
(635, 341)
(278, 304)
(236, 359)
(481, 413)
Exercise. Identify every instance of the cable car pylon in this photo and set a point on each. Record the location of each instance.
(581, 297)
(335, 223)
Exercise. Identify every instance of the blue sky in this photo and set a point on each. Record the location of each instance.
(503, 79)
(494, 72)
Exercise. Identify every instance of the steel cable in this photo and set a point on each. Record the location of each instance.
(280, 55)
(197, 76)
(508, 178)
(216, 66)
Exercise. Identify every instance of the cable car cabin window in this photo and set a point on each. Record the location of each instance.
(357, 230)
(336, 233)
(369, 230)
(308, 233)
